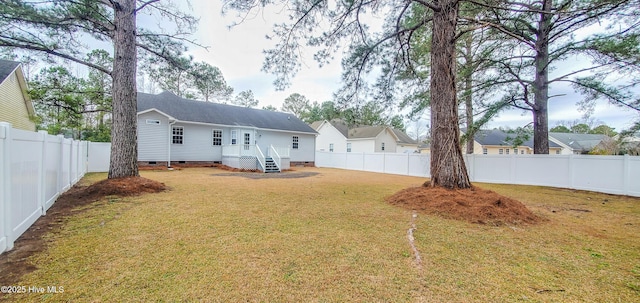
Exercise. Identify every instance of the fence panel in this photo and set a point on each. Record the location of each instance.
(354, 161)
(98, 156)
(397, 164)
(599, 173)
(52, 169)
(34, 169)
(419, 165)
(632, 176)
(26, 159)
(373, 162)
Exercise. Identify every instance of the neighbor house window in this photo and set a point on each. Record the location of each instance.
(217, 137)
(522, 152)
(557, 151)
(501, 151)
(234, 137)
(331, 147)
(177, 134)
(515, 151)
(484, 151)
(151, 121)
(295, 142)
(507, 151)
(348, 147)
(382, 146)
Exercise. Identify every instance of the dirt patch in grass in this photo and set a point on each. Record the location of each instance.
(474, 205)
(13, 264)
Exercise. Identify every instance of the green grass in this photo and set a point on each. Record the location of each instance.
(332, 238)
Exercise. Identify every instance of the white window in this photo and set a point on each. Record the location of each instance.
(247, 141)
(507, 151)
(382, 146)
(557, 151)
(152, 121)
(234, 137)
(484, 151)
(348, 147)
(515, 151)
(501, 151)
(331, 147)
(177, 134)
(295, 142)
(522, 152)
(217, 137)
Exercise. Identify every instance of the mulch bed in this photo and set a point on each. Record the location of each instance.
(475, 205)
(13, 263)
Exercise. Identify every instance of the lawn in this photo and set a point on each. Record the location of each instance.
(331, 237)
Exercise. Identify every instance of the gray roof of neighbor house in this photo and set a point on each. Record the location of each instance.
(6, 68)
(579, 142)
(497, 137)
(214, 113)
(363, 132)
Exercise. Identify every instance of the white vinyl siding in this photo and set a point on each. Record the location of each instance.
(153, 139)
(197, 144)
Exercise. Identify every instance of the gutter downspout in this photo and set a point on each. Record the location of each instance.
(169, 143)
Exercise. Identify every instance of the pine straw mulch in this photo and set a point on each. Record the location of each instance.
(14, 264)
(475, 205)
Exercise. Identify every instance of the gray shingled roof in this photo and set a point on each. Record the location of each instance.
(403, 137)
(497, 137)
(6, 68)
(222, 114)
(580, 142)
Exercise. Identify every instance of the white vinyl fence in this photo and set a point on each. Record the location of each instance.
(35, 168)
(607, 174)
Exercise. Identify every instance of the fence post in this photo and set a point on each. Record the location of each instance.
(571, 171)
(5, 195)
(43, 173)
(59, 185)
(626, 174)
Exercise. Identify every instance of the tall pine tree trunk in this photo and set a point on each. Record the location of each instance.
(447, 165)
(540, 83)
(124, 151)
(468, 90)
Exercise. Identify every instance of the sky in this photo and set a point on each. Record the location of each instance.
(238, 52)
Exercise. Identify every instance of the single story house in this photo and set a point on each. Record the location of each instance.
(172, 129)
(337, 136)
(577, 143)
(15, 103)
(497, 142)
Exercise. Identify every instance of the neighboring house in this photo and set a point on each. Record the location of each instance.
(336, 136)
(577, 143)
(497, 142)
(15, 103)
(177, 130)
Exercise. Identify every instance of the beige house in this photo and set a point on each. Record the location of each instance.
(15, 104)
(497, 142)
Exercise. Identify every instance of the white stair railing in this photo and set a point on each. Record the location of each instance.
(275, 156)
(261, 159)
